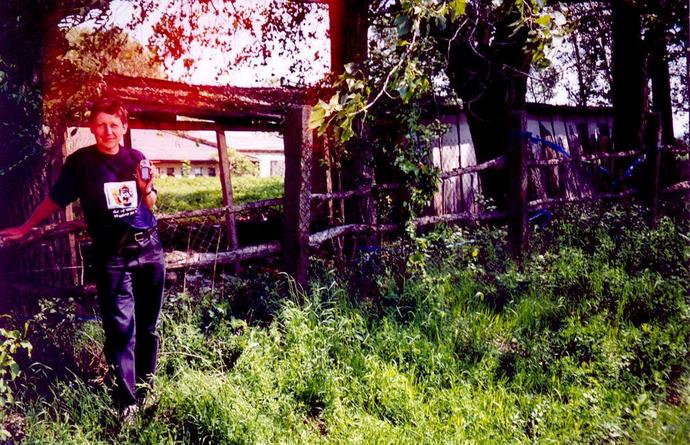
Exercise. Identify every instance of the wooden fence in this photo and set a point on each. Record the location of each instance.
(297, 243)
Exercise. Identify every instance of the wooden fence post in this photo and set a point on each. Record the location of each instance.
(228, 197)
(652, 141)
(298, 140)
(518, 229)
(366, 212)
(127, 139)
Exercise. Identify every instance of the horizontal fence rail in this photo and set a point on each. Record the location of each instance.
(497, 163)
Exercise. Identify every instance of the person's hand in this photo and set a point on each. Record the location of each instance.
(13, 233)
(145, 185)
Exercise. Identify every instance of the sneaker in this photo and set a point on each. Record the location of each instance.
(128, 414)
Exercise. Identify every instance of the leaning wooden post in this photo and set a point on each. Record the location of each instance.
(298, 140)
(77, 278)
(226, 186)
(518, 155)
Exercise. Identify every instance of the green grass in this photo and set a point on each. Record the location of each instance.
(460, 346)
(192, 193)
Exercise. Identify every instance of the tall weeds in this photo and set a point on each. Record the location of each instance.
(586, 343)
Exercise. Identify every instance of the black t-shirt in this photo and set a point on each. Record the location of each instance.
(107, 189)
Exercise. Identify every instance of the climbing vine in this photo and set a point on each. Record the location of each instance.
(398, 90)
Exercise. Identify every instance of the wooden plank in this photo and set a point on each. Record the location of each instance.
(612, 155)
(226, 186)
(573, 186)
(446, 156)
(470, 184)
(46, 232)
(437, 161)
(362, 191)
(518, 183)
(466, 217)
(461, 184)
(678, 151)
(203, 126)
(547, 203)
(652, 141)
(679, 187)
(316, 239)
(497, 163)
(180, 260)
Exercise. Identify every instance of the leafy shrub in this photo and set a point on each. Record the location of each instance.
(193, 193)
(12, 342)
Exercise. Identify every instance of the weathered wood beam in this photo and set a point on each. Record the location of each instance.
(203, 126)
(298, 142)
(226, 186)
(361, 191)
(612, 155)
(518, 176)
(679, 187)
(316, 239)
(497, 163)
(47, 232)
(556, 202)
(180, 260)
(459, 217)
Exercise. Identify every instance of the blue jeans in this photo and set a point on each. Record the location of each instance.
(130, 295)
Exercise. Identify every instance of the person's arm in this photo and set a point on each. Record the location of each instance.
(46, 208)
(150, 195)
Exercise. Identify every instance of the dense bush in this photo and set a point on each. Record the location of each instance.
(192, 193)
(585, 343)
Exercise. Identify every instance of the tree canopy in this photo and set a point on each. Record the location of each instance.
(111, 51)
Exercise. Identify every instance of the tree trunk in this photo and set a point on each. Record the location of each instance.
(661, 83)
(490, 78)
(29, 155)
(349, 25)
(628, 88)
(349, 39)
(581, 96)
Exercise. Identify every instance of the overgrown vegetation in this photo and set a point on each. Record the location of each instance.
(12, 342)
(587, 342)
(192, 193)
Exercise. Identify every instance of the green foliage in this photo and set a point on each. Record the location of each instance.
(185, 193)
(390, 100)
(110, 51)
(242, 165)
(463, 346)
(406, 73)
(12, 342)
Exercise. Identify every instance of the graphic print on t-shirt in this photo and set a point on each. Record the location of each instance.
(121, 197)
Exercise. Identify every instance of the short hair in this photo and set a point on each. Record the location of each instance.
(109, 106)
